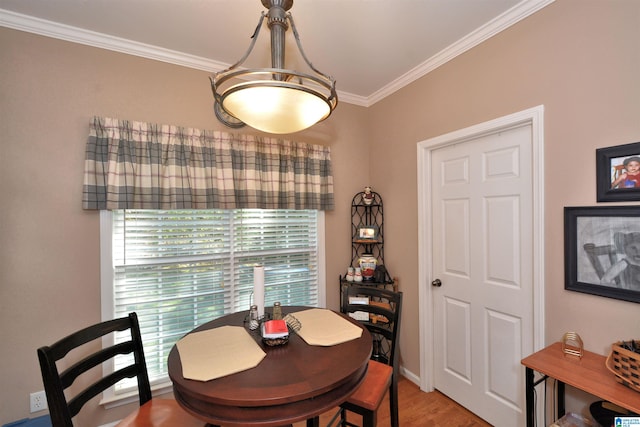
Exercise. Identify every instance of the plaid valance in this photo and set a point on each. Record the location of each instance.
(136, 165)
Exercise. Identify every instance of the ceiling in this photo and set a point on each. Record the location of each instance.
(371, 47)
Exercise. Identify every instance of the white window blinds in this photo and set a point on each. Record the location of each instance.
(178, 269)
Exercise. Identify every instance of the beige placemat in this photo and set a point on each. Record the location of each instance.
(218, 352)
(324, 327)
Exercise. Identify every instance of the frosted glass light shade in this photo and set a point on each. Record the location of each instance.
(276, 109)
(274, 100)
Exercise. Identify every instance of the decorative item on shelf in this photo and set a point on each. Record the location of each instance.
(380, 275)
(368, 233)
(572, 344)
(367, 198)
(357, 276)
(367, 264)
(350, 274)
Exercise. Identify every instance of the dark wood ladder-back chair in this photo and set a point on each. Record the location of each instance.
(151, 413)
(380, 311)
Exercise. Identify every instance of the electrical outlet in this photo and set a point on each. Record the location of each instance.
(37, 401)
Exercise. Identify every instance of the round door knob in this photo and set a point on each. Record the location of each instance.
(437, 283)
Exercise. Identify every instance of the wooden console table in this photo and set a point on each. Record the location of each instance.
(588, 374)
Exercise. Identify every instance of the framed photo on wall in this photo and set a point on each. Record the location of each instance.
(602, 251)
(618, 173)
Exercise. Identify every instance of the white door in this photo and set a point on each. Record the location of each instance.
(482, 265)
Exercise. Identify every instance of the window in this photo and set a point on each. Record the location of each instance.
(181, 268)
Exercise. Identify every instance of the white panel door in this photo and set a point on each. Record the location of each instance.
(482, 255)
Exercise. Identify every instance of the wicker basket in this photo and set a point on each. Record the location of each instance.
(625, 365)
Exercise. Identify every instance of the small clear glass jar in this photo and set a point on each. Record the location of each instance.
(277, 311)
(254, 318)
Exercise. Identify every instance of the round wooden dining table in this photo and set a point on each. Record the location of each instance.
(294, 382)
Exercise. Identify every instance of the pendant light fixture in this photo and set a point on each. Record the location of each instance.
(274, 100)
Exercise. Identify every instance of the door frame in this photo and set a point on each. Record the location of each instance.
(533, 117)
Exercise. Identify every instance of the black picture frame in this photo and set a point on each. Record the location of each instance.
(602, 251)
(609, 166)
(368, 233)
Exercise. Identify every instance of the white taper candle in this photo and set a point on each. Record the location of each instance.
(258, 288)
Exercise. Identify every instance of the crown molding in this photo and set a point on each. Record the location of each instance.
(350, 98)
(68, 33)
(46, 28)
(491, 28)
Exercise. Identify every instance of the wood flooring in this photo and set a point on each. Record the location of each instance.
(418, 409)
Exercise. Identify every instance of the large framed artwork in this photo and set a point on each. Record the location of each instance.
(618, 173)
(602, 251)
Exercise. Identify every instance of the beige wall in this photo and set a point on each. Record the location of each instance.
(578, 58)
(49, 250)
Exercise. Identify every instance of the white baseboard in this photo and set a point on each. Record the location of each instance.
(410, 376)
